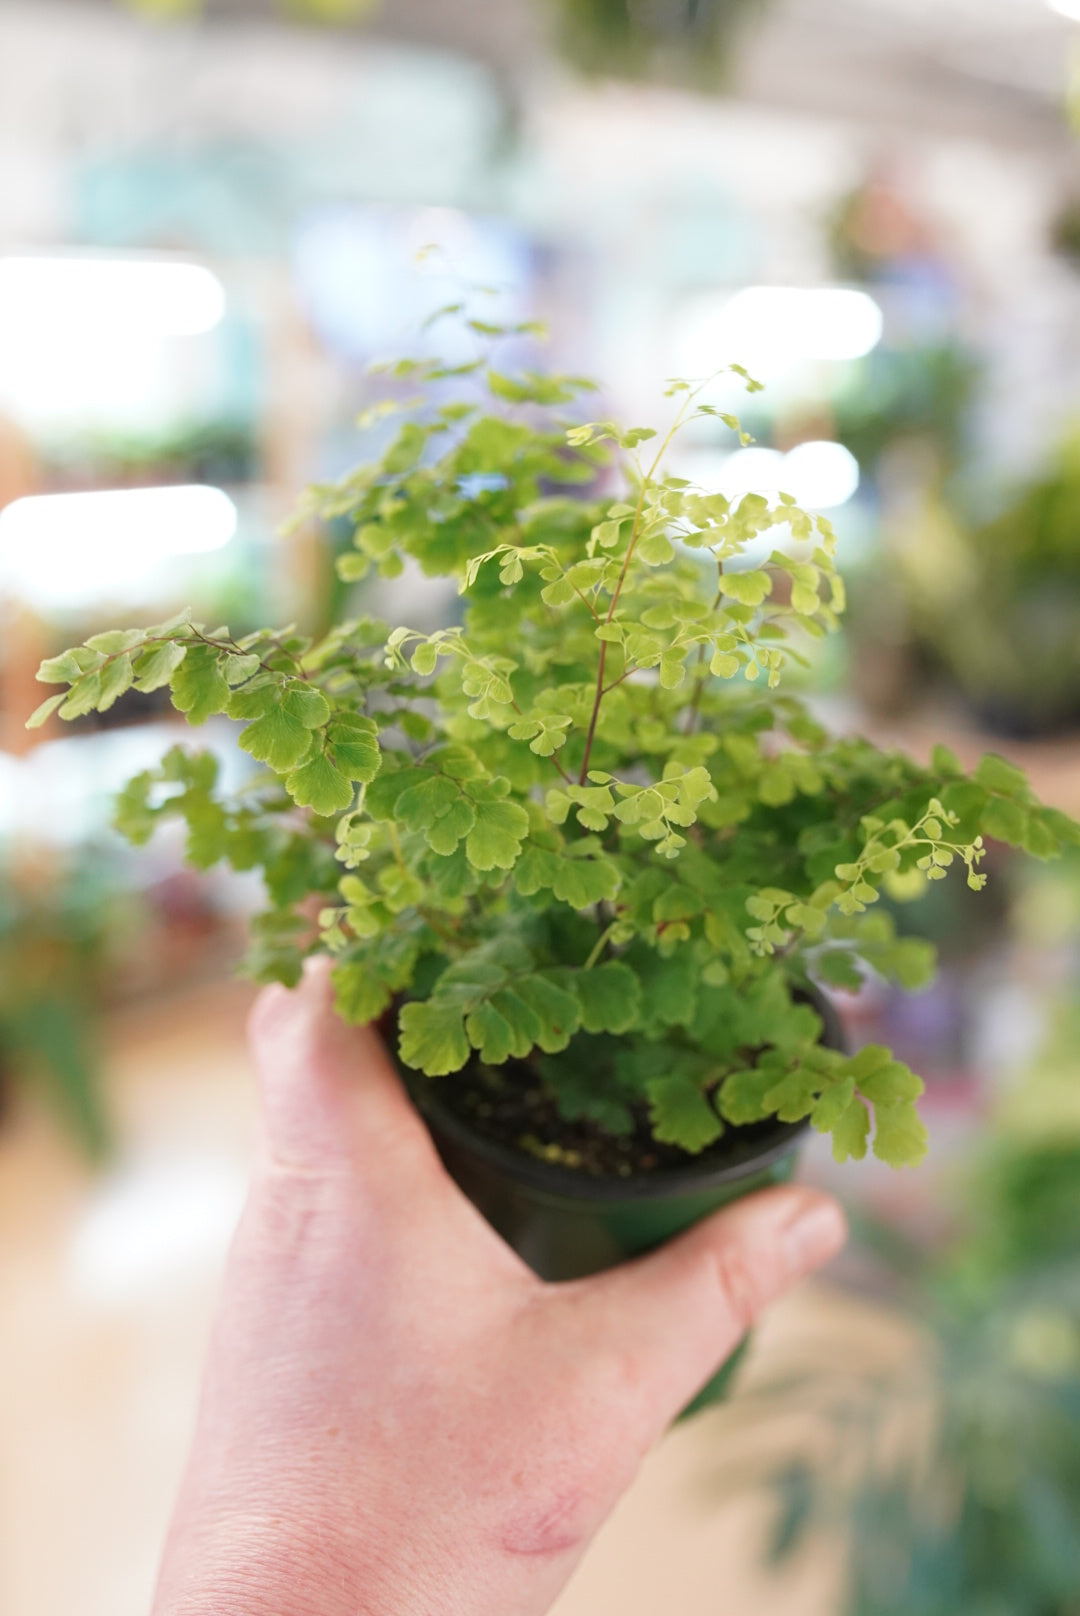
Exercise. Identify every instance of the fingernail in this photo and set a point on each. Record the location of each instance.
(815, 1234)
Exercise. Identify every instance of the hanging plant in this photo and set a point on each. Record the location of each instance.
(996, 605)
(1065, 232)
(686, 39)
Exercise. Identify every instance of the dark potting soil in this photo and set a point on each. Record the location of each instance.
(511, 1106)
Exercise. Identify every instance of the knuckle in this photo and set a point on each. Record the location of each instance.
(745, 1280)
(267, 1013)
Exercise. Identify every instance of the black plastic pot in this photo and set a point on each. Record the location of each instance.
(567, 1224)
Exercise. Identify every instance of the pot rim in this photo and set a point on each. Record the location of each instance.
(567, 1183)
(666, 1183)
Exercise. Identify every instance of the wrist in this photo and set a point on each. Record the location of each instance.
(270, 1566)
(257, 1566)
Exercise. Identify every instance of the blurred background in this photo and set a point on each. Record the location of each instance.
(209, 219)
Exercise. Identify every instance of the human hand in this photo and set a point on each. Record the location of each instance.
(397, 1415)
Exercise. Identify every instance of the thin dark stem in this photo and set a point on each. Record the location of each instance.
(584, 775)
(645, 483)
(695, 700)
(625, 675)
(699, 689)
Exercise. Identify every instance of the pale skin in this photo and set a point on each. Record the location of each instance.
(397, 1415)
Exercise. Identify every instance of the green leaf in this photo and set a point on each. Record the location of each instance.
(279, 739)
(795, 1095)
(668, 988)
(997, 774)
(437, 807)
(495, 839)
(751, 588)
(46, 710)
(308, 704)
(558, 593)
(850, 1132)
(83, 696)
(199, 688)
(584, 881)
(557, 1011)
(525, 1025)
(61, 670)
(742, 1097)
(910, 961)
(352, 566)
(655, 548)
(319, 785)
(610, 996)
(681, 1115)
(890, 1083)
(239, 668)
(274, 953)
(352, 743)
(1004, 820)
(830, 1108)
(116, 677)
(491, 1034)
(945, 762)
(1039, 839)
(360, 994)
(433, 1037)
(672, 669)
(536, 869)
(155, 668)
(900, 1138)
(116, 639)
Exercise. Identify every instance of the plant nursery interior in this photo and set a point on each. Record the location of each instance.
(221, 221)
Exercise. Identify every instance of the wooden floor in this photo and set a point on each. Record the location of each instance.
(106, 1288)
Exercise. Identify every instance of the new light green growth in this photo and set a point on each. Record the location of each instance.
(587, 820)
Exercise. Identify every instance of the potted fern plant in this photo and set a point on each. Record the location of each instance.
(580, 852)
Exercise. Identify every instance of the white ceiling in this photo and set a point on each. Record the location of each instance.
(996, 68)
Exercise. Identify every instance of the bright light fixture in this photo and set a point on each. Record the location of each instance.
(770, 328)
(151, 295)
(63, 549)
(819, 475)
(1066, 8)
(154, 1224)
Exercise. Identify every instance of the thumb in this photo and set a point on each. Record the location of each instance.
(674, 1316)
(330, 1095)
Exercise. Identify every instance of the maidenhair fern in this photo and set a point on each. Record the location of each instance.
(586, 821)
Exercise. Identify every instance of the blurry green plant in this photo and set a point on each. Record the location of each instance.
(221, 451)
(55, 953)
(585, 822)
(896, 395)
(997, 604)
(685, 39)
(1065, 232)
(984, 1516)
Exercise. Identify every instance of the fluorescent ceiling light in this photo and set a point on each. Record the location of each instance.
(749, 471)
(152, 296)
(769, 329)
(65, 549)
(152, 1225)
(819, 475)
(1066, 8)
